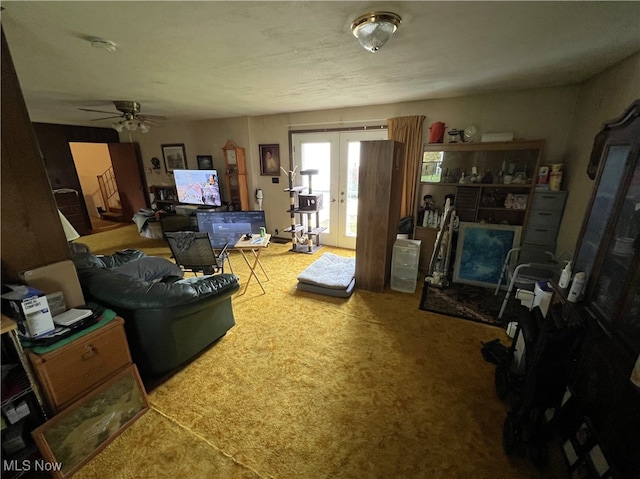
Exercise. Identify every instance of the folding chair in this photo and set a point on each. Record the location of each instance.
(193, 252)
(174, 223)
(523, 268)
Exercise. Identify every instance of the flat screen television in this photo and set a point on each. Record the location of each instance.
(226, 227)
(198, 187)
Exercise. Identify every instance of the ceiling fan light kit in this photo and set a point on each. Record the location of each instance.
(130, 117)
(375, 29)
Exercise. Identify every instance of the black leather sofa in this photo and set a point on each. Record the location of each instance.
(168, 319)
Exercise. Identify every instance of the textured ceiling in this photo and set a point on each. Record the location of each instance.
(213, 59)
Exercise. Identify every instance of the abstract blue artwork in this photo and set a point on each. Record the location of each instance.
(481, 251)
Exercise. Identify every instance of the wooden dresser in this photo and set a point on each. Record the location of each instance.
(67, 373)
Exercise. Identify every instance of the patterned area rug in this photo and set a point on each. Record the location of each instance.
(474, 303)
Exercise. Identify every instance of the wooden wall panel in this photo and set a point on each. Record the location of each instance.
(32, 234)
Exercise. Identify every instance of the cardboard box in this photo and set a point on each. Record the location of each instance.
(60, 276)
(12, 299)
(29, 307)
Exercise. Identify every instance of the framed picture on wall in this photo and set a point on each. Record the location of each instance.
(205, 162)
(481, 251)
(269, 160)
(174, 157)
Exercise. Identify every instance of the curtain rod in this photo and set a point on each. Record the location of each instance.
(339, 129)
(341, 121)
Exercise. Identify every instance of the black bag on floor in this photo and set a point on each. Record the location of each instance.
(495, 352)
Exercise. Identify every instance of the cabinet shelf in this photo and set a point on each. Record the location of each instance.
(444, 164)
(18, 386)
(304, 212)
(15, 385)
(480, 185)
(164, 196)
(500, 208)
(316, 231)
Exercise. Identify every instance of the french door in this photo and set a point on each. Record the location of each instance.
(336, 156)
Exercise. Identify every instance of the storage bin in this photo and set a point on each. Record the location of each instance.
(404, 265)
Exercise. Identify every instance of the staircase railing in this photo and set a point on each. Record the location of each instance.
(108, 188)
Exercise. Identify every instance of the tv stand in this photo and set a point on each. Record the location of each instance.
(191, 210)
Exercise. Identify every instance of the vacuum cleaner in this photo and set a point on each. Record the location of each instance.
(439, 265)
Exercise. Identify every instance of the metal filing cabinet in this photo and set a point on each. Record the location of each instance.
(545, 216)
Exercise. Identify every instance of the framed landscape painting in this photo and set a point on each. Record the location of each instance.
(78, 433)
(174, 157)
(481, 251)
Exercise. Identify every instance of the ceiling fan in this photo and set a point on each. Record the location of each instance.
(130, 117)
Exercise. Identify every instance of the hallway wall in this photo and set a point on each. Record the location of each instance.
(91, 160)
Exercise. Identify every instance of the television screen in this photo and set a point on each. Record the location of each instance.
(226, 227)
(198, 187)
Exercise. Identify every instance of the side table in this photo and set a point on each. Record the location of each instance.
(255, 244)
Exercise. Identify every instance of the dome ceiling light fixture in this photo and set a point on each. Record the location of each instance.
(129, 117)
(375, 29)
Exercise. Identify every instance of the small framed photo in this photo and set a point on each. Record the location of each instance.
(205, 162)
(174, 157)
(73, 437)
(269, 160)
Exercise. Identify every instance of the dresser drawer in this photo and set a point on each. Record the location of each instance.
(540, 235)
(545, 218)
(67, 373)
(549, 200)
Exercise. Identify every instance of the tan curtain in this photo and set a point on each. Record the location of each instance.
(408, 130)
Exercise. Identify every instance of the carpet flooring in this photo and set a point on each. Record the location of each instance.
(309, 386)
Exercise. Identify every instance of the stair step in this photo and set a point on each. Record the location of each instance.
(112, 216)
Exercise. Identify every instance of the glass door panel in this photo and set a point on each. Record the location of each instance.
(336, 156)
(620, 256)
(601, 208)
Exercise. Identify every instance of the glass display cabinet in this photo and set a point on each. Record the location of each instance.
(609, 246)
(608, 251)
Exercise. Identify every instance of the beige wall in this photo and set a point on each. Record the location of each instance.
(91, 160)
(567, 118)
(600, 99)
(531, 114)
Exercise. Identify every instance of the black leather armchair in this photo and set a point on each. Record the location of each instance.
(168, 319)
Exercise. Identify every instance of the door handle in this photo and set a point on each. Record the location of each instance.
(333, 200)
